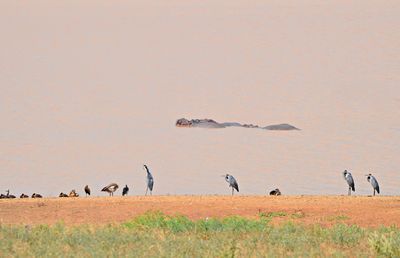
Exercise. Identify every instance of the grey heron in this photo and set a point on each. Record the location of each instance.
(350, 181)
(150, 180)
(373, 182)
(87, 190)
(232, 182)
(125, 190)
(275, 192)
(111, 188)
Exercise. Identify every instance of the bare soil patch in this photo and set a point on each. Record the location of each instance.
(325, 210)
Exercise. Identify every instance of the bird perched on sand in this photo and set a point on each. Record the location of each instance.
(111, 188)
(125, 190)
(35, 195)
(150, 180)
(350, 181)
(9, 196)
(373, 182)
(73, 193)
(23, 196)
(232, 182)
(275, 192)
(63, 195)
(87, 190)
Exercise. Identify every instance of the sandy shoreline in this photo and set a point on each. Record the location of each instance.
(326, 210)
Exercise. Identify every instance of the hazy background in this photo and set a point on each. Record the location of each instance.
(91, 90)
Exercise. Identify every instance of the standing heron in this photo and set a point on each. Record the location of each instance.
(232, 182)
(373, 182)
(111, 188)
(350, 181)
(150, 180)
(125, 190)
(87, 190)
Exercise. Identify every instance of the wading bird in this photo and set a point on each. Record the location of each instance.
(349, 179)
(111, 188)
(150, 180)
(373, 182)
(232, 182)
(125, 190)
(275, 192)
(87, 190)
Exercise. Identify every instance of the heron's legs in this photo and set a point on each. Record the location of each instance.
(232, 191)
(151, 192)
(146, 191)
(349, 190)
(374, 192)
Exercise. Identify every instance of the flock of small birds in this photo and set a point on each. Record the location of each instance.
(111, 188)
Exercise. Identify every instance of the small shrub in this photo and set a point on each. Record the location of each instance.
(387, 244)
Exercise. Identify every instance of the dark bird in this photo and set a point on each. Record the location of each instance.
(275, 192)
(9, 196)
(150, 180)
(349, 179)
(3, 196)
(35, 195)
(63, 195)
(125, 190)
(373, 182)
(232, 182)
(23, 196)
(111, 188)
(87, 190)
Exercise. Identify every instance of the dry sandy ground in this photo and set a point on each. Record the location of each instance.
(326, 210)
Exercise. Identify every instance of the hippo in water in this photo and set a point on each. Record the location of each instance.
(209, 123)
(203, 123)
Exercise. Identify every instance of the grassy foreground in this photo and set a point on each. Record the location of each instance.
(157, 235)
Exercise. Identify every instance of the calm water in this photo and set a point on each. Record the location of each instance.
(91, 91)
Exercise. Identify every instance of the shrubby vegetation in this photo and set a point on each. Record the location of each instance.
(157, 235)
